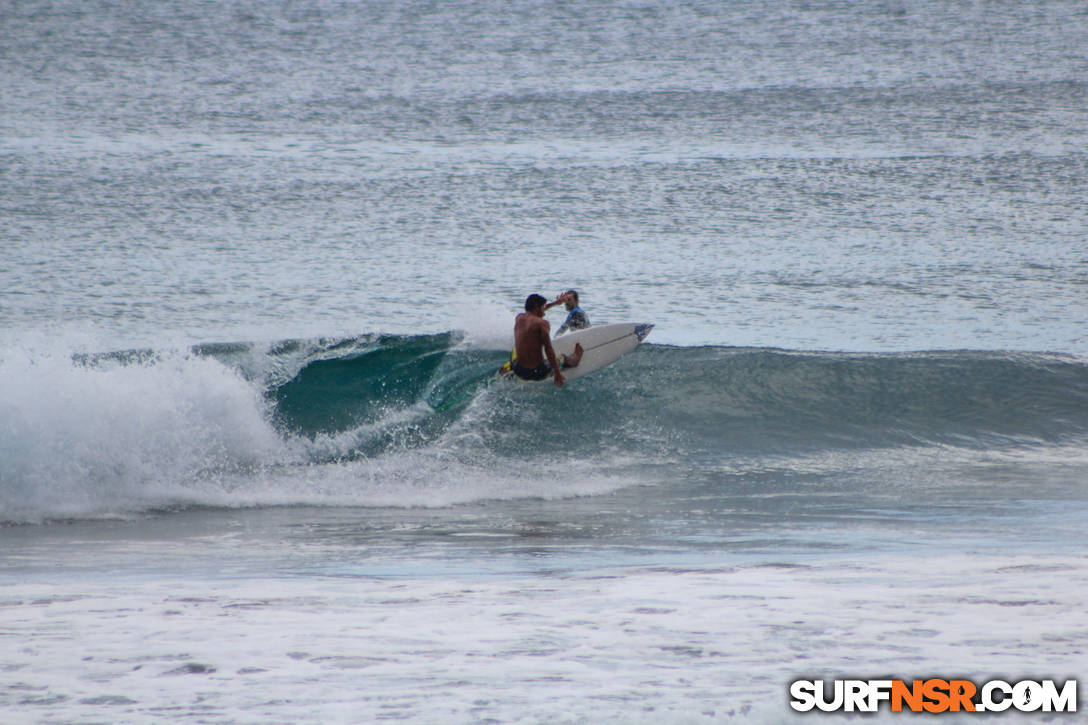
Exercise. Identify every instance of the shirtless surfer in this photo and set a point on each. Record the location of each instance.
(532, 342)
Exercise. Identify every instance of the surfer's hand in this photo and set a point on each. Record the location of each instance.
(559, 379)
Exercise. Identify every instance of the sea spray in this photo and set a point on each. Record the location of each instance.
(82, 439)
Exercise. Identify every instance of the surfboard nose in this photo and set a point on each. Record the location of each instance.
(643, 330)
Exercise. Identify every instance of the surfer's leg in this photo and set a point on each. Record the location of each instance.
(572, 360)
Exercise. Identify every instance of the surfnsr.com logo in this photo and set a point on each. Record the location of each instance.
(934, 695)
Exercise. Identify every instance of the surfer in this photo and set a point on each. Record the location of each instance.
(577, 318)
(532, 342)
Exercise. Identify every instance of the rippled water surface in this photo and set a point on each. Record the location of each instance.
(260, 260)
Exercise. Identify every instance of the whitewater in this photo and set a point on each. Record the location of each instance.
(259, 263)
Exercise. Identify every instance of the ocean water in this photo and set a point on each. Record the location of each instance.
(260, 260)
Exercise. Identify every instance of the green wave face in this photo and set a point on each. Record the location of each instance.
(364, 396)
(335, 393)
(410, 391)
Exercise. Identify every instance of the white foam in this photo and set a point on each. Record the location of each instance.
(661, 646)
(85, 440)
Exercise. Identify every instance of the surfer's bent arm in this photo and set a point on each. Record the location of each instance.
(557, 301)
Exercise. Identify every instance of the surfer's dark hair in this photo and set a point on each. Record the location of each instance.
(573, 294)
(534, 301)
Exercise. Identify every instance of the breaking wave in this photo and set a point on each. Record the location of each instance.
(379, 420)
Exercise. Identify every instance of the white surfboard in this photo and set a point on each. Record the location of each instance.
(601, 345)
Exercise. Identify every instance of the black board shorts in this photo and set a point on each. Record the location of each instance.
(540, 372)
